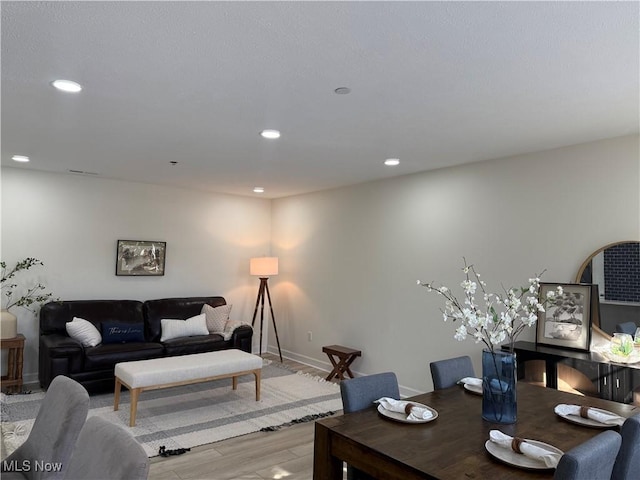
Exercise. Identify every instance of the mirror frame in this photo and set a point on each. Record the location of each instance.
(581, 271)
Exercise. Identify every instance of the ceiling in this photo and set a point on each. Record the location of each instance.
(432, 83)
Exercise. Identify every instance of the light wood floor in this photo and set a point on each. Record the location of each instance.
(286, 454)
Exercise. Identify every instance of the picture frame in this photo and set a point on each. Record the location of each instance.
(140, 258)
(566, 322)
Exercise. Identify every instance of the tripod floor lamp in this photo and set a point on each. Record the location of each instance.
(264, 267)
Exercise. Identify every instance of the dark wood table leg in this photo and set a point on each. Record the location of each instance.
(12, 381)
(336, 372)
(11, 368)
(342, 367)
(551, 370)
(348, 364)
(341, 358)
(325, 465)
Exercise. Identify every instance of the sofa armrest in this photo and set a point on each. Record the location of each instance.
(241, 338)
(60, 345)
(59, 355)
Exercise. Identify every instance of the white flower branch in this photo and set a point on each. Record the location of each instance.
(502, 317)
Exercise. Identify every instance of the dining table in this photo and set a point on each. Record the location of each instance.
(452, 444)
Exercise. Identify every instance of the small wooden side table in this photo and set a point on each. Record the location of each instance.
(13, 378)
(345, 357)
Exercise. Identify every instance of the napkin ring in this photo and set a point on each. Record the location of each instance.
(515, 444)
(408, 407)
(584, 411)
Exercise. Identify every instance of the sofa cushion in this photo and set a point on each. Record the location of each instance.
(119, 332)
(178, 308)
(199, 344)
(217, 317)
(190, 327)
(106, 356)
(54, 315)
(83, 331)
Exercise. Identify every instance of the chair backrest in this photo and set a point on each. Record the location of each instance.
(446, 373)
(627, 466)
(55, 430)
(591, 459)
(626, 327)
(107, 451)
(360, 392)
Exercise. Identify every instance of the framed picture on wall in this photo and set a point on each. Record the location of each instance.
(140, 257)
(566, 322)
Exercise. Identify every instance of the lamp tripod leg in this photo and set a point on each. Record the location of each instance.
(255, 311)
(262, 285)
(273, 318)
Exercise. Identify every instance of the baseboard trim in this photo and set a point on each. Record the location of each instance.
(327, 367)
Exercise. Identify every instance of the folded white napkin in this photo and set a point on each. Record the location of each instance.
(604, 418)
(413, 411)
(549, 458)
(470, 381)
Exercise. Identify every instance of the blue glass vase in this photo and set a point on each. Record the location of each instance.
(499, 378)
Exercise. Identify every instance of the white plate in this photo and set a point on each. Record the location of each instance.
(519, 460)
(402, 417)
(588, 422)
(477, 389)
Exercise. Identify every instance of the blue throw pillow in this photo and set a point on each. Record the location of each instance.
(117, 332)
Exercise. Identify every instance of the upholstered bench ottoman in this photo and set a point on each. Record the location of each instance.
(182, 370)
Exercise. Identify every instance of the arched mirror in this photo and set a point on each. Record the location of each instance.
(616, 270)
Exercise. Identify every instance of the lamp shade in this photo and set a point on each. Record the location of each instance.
(263, 266)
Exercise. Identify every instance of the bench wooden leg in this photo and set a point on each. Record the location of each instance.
(257, 375)
(234, 381)
(134, 406)
(116, 395)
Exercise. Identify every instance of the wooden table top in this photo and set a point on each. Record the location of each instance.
(340, 350)
(452, 446)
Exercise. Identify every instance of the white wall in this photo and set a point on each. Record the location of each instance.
(72, 224)
(350, 257)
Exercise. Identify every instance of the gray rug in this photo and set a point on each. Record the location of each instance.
(192, 415)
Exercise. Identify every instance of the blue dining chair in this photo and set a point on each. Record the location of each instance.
(446, 373)
(360, 393)
(591, 459)
(627, 466)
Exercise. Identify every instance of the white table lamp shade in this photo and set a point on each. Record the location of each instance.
(263, 266)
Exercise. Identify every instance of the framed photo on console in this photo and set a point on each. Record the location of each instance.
(140, 258)
(566, 323)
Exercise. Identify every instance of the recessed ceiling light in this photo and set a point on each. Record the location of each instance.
(270, 134)
(67, 86)
(20, 158)
(392, 162)
(342, 90)
(258, 189)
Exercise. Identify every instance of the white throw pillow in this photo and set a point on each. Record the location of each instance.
(230, 327)
(84, 331)
(183, 328)
(217, 317)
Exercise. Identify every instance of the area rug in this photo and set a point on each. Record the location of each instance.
(192, 415)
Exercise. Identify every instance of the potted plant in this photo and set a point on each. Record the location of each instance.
(30, 298)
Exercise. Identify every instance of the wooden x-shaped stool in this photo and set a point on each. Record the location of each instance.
(345, 357)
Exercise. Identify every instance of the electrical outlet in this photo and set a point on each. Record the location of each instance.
(309, 336)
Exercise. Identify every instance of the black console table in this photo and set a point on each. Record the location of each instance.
(614, 381)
